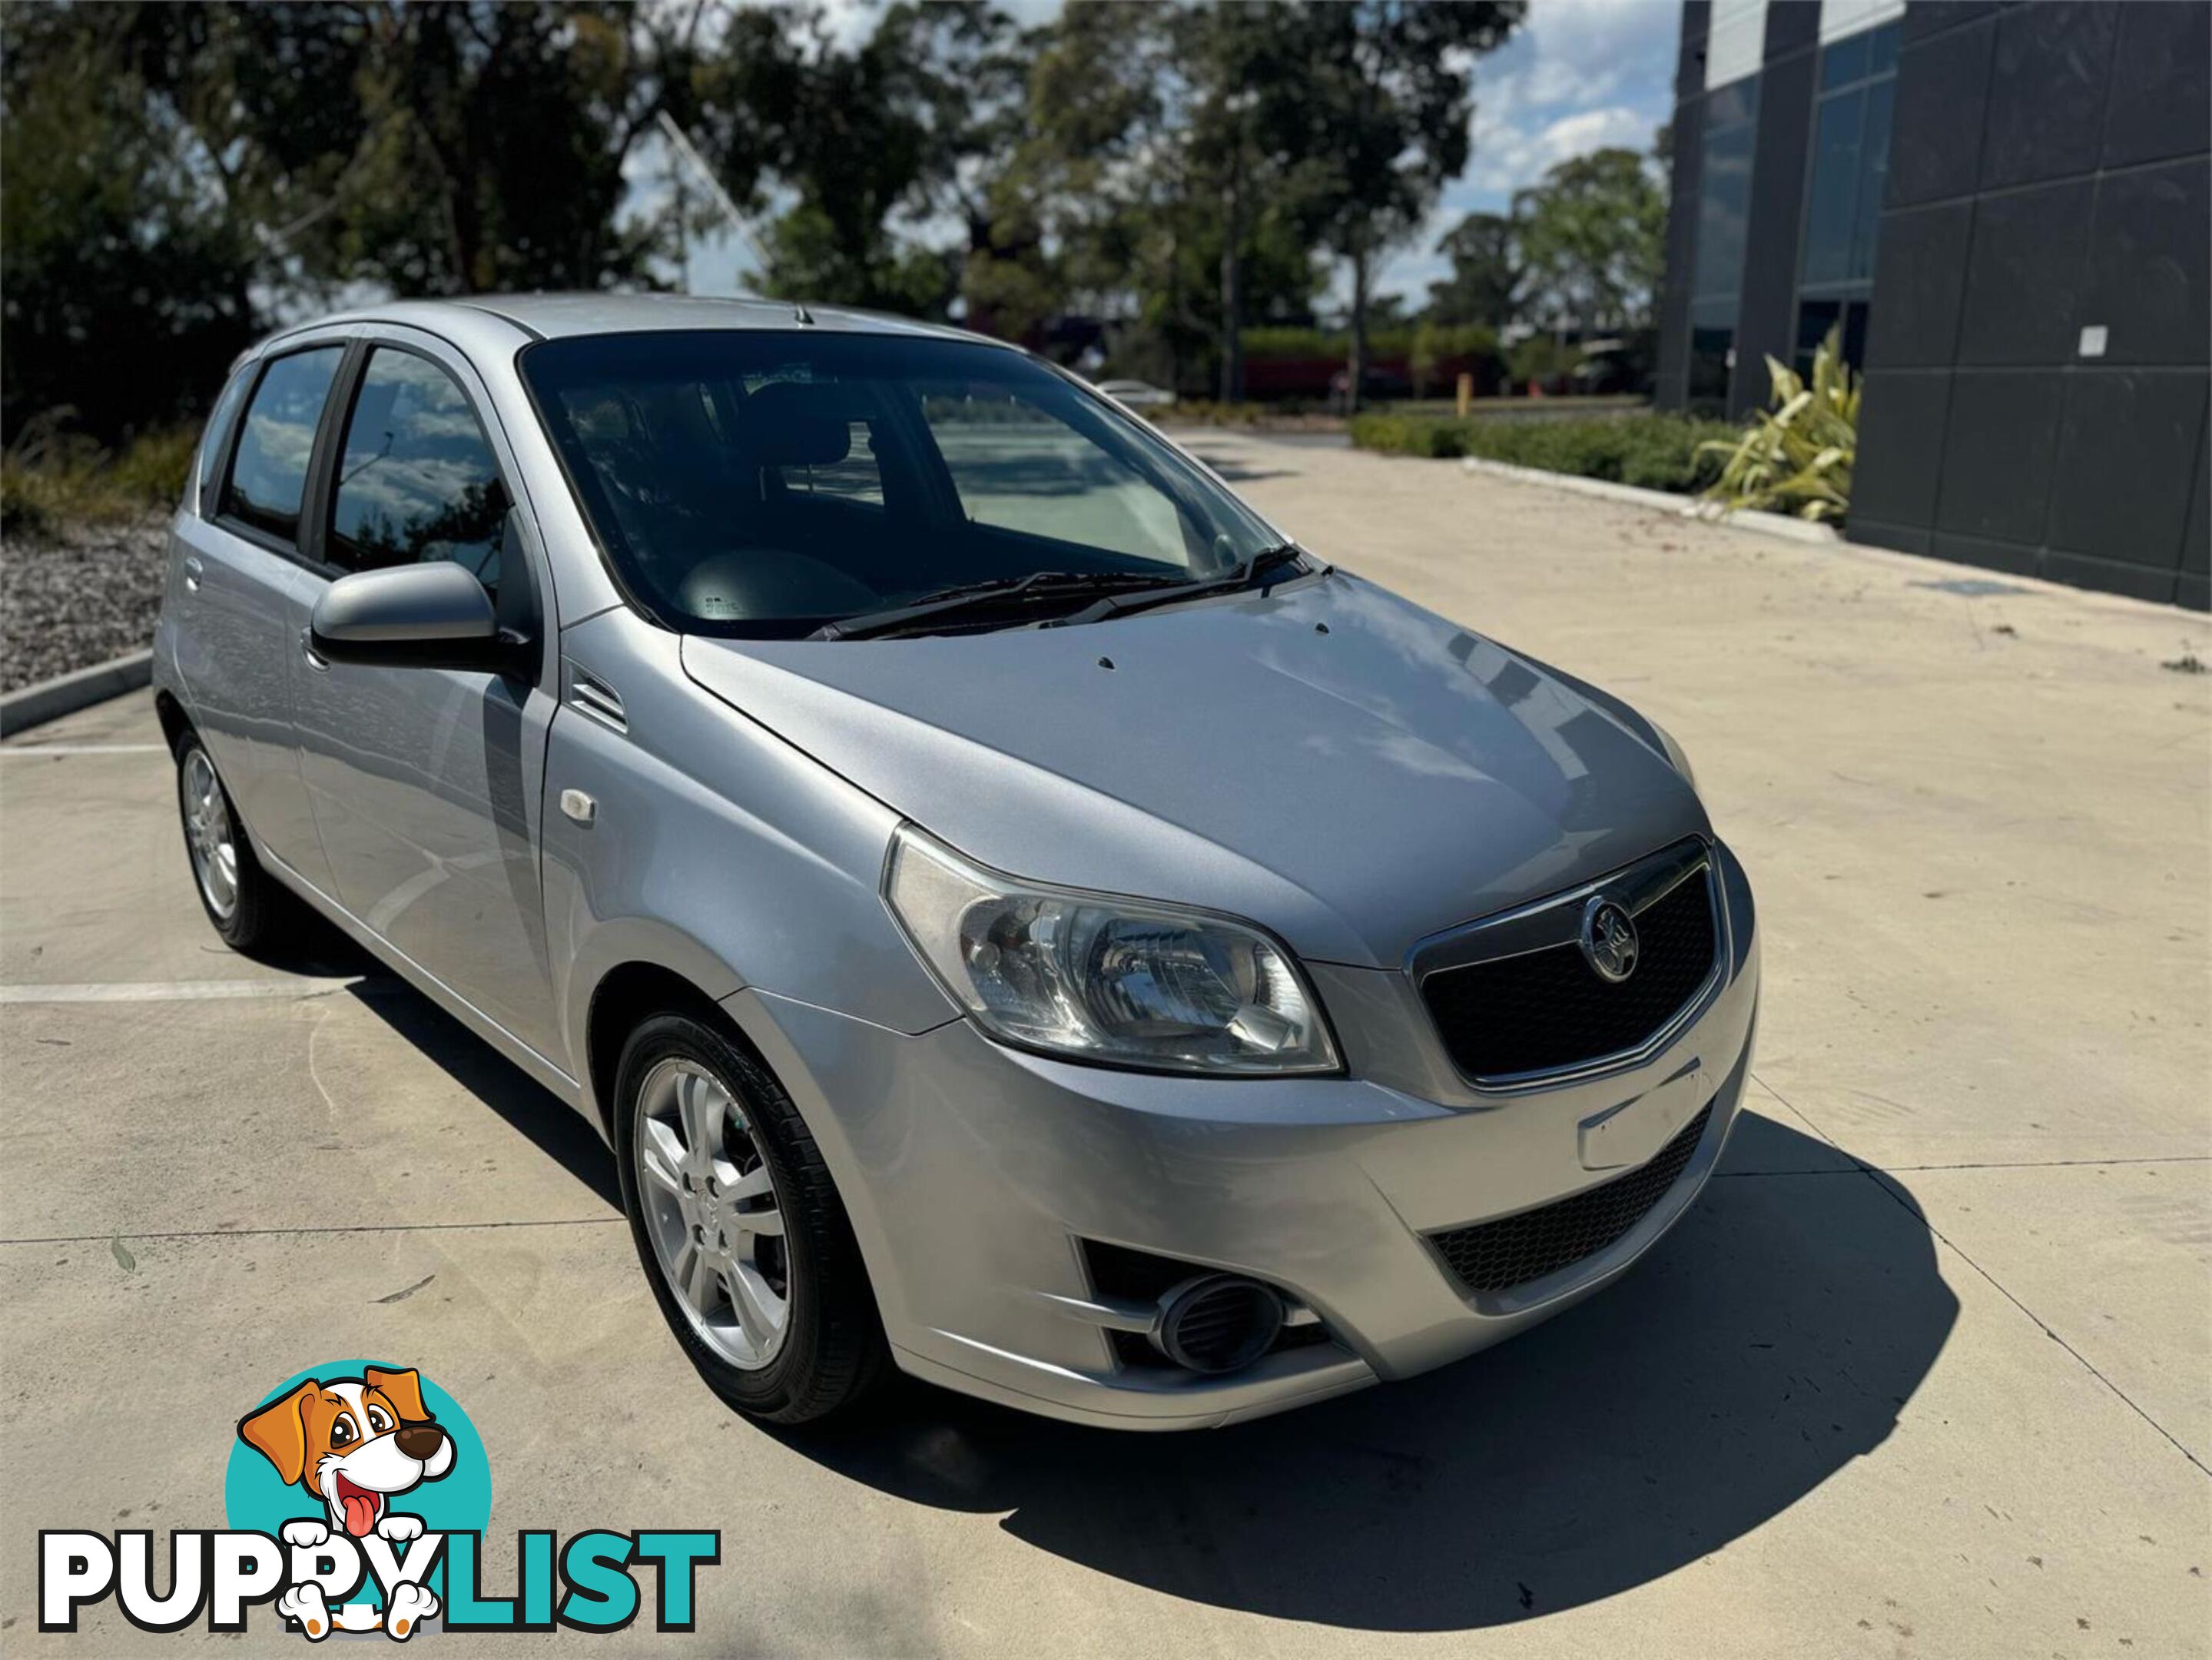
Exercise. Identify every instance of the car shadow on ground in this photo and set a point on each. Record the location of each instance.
(548, 1123)
(1764, 1346)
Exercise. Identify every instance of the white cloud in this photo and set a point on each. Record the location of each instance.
(1579, 76)
(1513, 158)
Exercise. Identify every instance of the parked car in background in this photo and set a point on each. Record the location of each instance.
(1137, 394)
(1611, 368)
(1015, 916)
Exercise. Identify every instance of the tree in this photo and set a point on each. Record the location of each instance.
(1161, 145)
(494, 138)
(1239, 71)
(873, 138)
(1390, 97)
(1485, 280)
(1594, 236)
(124, 278)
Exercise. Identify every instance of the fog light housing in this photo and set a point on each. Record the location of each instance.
(1218, 1323)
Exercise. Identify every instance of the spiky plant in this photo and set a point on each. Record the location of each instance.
(1797, 457)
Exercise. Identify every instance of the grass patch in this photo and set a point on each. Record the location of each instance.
(1654, 452)
(51, 479)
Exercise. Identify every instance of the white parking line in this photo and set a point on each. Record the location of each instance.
(172, 991)
(18, 751)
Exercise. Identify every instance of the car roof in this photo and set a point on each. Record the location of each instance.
(558, 316)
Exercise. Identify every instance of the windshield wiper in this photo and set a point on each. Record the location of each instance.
(1255, 566)
(998, 593)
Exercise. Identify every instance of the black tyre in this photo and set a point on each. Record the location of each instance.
(250, 908)
(739, 1226)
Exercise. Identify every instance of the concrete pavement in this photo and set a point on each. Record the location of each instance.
(1927, 1372)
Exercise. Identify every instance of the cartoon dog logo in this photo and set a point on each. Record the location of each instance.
(356, 1443)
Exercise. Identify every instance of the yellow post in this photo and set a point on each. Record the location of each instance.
(1466, 395)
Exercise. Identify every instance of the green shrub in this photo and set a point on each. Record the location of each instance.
(154, 468)
(1204, 412)
(1449, 341)
(51, 478)
(1797, 457)
(1653, 451)
(1409, 434)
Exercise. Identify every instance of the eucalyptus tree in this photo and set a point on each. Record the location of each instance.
(1390, 97)
(1593, 233)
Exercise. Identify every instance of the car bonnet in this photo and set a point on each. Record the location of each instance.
(1327, 759)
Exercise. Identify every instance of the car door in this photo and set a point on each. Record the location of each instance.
(239, 593)
(427, 783)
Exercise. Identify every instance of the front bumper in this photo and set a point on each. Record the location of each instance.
(971, 1171)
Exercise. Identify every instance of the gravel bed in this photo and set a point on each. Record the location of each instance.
(79, 597)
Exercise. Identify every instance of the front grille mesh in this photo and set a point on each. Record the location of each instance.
(1493, 1256)
(1548, 1009)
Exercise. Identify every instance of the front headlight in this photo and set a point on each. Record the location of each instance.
(1094, 977)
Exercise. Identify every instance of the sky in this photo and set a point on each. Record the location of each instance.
(1579, 75)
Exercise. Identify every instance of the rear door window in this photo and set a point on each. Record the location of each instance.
(268, 475)
(852, 477)
(417, 477)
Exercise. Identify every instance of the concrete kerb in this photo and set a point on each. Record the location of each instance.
(49, 700)
(1767, 524)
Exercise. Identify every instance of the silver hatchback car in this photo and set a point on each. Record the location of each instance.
(1015, 916)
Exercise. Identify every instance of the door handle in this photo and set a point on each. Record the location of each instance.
(316, 661)
(193, 570)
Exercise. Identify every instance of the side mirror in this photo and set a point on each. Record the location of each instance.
(434, 615)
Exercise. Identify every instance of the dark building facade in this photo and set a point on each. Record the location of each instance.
(2008, 210)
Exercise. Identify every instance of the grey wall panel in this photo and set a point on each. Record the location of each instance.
(1925, 17)
(2196, 534)
(2047, 86)
(2025, 274)
(1906, 538)
(1689, 59)
(1942, 93)
(2145, 427)
(1997, 449)
(1980, 551)
(2146, 279)
(1766, 322)
(2161, 102)
(2109, 576)
(1791, 26)
(1902, 418)
(1920, 278)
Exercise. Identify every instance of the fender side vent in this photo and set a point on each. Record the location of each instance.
(596, 698)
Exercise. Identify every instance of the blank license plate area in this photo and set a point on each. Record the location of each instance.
(1632, 1132)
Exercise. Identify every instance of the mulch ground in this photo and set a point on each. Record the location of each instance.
(77, 599)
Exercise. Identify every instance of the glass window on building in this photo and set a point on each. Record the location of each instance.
(1724, 209)
(1843, 199)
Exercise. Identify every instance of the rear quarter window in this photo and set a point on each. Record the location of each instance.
(215, 439)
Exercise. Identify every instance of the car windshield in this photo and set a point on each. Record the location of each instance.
(760, 484)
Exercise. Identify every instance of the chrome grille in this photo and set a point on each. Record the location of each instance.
(1523, 1003)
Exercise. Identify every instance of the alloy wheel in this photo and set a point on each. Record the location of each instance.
(209, 834)
(712, 1210)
